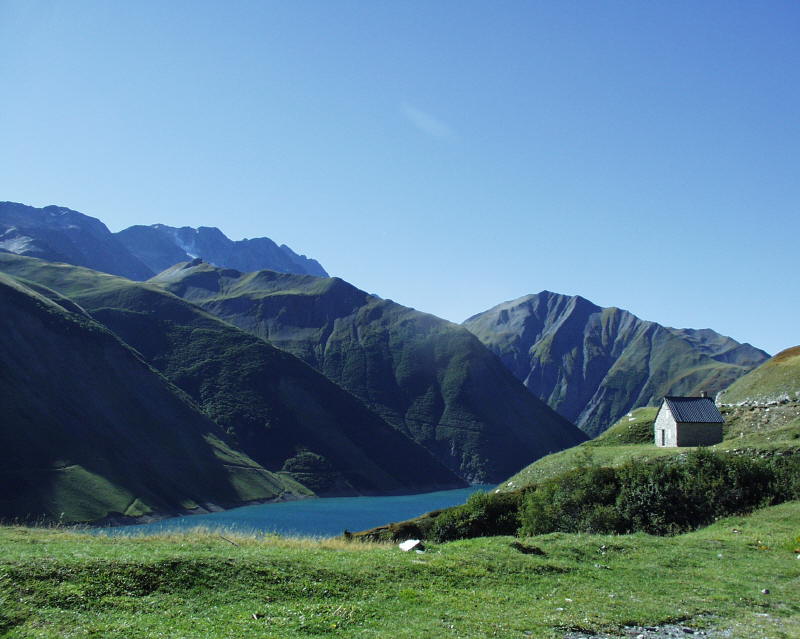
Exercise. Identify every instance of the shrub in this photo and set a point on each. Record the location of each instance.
(683, 493)
(580, 499)
(662, 497)
(484, 514)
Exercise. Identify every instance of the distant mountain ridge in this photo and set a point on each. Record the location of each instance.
(594, 364)
(59, 234)
(431, 379)
(160, 246)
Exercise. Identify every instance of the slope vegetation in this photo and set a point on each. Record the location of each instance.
(751, 428)
(89, 429)
(593, 364)
(431, 379)
(775, 381)
(280, 411)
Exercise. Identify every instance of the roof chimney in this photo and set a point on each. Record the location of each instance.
(704, 394)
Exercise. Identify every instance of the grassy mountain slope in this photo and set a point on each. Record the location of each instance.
(56, 583)
(429, 378)
(594, 364)
(88, 428)
(280, 411)
(774, 381)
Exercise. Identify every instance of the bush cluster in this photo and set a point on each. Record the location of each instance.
(484, 515)
(662, 497)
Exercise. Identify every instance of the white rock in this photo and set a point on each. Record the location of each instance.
(409, 544)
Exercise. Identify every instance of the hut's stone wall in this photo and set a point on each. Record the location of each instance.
(665, 432)
(699, 434)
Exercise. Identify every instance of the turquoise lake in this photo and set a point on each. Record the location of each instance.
(311, 517)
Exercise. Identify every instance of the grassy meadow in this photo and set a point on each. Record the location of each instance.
(57, 583)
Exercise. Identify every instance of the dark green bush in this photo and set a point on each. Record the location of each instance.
(484, 514)
(685, 492)
(580, 499)
(786, 478)
(661, 497)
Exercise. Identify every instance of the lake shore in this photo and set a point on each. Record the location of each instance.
(311, 516)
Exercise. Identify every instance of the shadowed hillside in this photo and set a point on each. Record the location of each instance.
(429, 378)
(277, 409)
(89, 429)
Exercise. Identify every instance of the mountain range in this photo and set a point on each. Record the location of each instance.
(160, 246)
(242, 372)
(431, 379)
(277, 410)
(59, 234)
(593, 365)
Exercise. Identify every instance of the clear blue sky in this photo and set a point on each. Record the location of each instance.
(449, 155)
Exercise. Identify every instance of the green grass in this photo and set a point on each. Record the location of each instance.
(55, 583)
(777, 378)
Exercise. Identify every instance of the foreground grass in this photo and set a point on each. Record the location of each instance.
(61, 584)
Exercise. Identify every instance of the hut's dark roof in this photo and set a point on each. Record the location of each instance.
(694, 409)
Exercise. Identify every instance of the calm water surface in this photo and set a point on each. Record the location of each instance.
(311, 517)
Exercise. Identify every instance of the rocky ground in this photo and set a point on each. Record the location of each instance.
(667, 631)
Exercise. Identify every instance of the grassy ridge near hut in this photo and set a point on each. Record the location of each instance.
(755, 430)
(774, 381)
(55, 583)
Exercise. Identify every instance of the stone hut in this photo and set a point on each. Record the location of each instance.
(688, 421)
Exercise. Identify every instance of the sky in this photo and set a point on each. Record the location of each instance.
(449, 154)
